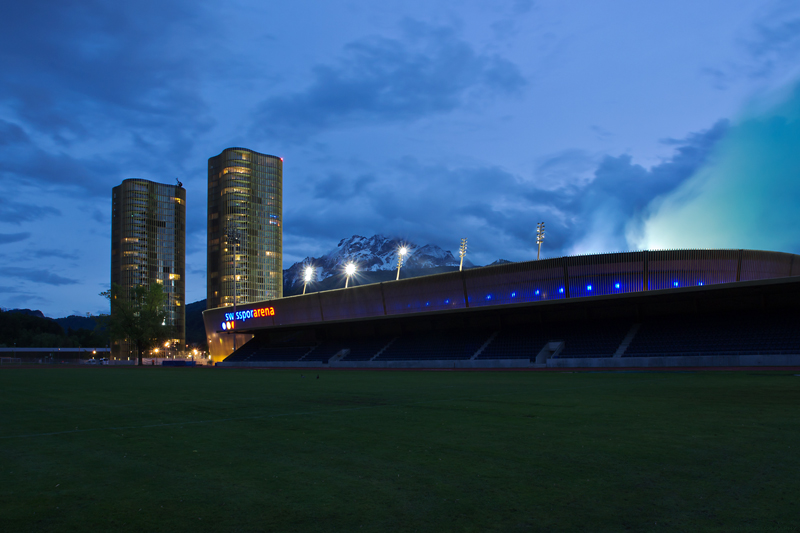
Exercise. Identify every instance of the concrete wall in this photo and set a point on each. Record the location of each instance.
(488, 363)
(681, 361)
(605, 362)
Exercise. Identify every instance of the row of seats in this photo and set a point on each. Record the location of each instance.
(735, 334)
(430, 345)
(763, 334)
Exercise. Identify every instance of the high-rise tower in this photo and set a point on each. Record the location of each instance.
(245, 237)
(148, 245)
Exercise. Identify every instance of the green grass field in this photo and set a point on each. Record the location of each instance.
(158, 449)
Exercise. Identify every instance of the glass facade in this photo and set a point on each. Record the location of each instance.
(148, 245)
(245, 234)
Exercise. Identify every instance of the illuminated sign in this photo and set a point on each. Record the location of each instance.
(231, 318)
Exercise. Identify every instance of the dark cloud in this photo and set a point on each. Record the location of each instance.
(36, 276)
(338, 187)
(588, 205)
(99, 216)
(507, 25)
(565, 169)
(92, 74)
(60, 254)
(771, 45)
(12, 134)
(16, 212)
(107, 57)
(17, 300)
(6, 238)
(601, 215)
(430, 70)
(777, 34)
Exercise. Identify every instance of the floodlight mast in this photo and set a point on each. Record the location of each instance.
(400, 253)
(462, 251)
(539, 238)
(307, 276)
(349, 269)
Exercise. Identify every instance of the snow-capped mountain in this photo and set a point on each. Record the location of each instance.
(371, 254)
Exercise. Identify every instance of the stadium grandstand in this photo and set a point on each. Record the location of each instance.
(634, 309)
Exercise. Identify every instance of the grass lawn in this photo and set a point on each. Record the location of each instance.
(210, 449)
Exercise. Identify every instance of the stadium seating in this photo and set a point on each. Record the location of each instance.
(365, 349)
(516, 343)
(718, 335)
(259, 349)
(764, 334)
(437, 345)
(595, 339)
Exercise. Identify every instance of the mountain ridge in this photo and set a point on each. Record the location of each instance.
(370, 254)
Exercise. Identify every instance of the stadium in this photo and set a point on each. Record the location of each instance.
(672, 308)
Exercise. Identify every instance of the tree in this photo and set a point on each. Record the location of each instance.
(138, 315)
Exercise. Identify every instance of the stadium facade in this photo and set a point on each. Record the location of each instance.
(598, 301)
(245, 214)
(148, 245)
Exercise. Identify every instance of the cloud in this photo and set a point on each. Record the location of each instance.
(745, 195)
(16, 212)
(96, 83)
(775, 38)
(7, 238)
(99, 216)
(11, 133)
(565, 169)
(41, 254)
(430, 70)
(770, 46)
(600, 212)
(36, 276)
(427, 204)
(338, 187)
(22, 300)
(589, 203)
(506, 25)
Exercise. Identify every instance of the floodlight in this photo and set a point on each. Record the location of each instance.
(539, 238)
(307, 276)
(349, 269)
(400, 253)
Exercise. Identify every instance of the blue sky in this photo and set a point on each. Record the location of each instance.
(622, 125)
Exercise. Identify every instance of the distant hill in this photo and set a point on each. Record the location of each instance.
(25, 328)
(28, 312)
(75, 322)
(195, 329)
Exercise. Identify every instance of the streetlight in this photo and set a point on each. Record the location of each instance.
(400, 253)
(349, 269)
(539, 238)
(462, 251)
(308, 276)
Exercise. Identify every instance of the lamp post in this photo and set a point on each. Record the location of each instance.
(307, 276)
(539, 238)
(234, 236)
(400, 253)
(349, 269)
(462, 251)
